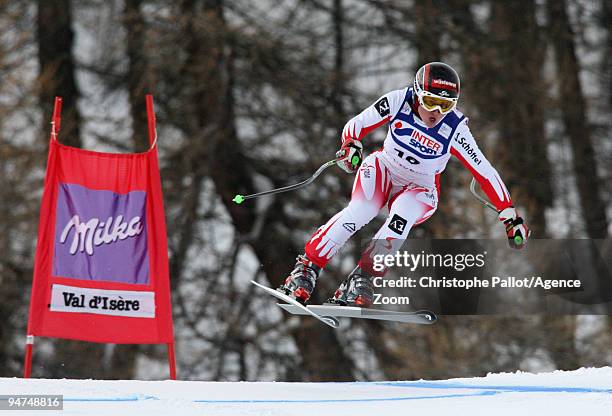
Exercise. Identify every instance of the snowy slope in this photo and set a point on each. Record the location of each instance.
(580, 392)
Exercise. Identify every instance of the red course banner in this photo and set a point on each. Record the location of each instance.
(101, 266)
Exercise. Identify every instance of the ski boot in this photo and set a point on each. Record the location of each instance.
(301, 282)
(356, 290)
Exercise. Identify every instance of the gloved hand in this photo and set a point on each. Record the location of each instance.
(351, 153)
(516, 229)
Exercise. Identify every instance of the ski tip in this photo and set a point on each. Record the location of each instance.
(238, 199)
(331, 321)
(430, 316)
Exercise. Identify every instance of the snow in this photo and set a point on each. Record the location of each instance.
(586, 391)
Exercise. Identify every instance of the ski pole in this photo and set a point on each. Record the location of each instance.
(239, 199)
(518, 239)
(480, 198)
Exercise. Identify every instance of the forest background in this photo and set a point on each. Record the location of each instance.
(254, 94)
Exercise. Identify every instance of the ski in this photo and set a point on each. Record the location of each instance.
(297, 306)
(423, 317)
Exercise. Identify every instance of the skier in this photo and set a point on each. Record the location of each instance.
(424, 130)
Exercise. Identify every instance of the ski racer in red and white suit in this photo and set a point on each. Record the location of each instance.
(404, 176)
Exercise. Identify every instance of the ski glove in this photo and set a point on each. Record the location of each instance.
(516, 229)
(351, 154)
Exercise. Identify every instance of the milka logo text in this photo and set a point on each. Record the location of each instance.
(94, 232)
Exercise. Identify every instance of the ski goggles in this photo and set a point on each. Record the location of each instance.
(431, 103)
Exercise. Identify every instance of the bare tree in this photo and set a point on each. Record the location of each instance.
(573, 108)
(138, 74)
(57, 68)
(517, 91)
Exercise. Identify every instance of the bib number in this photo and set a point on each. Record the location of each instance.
(407, 158)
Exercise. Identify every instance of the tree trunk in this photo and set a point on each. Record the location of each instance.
(338, 90)
(518, 98)
(574, 111)
(559, 338)
(138, 76)
(606, 19)
(573, 108)
(122, 365)
(428, 31)
(516, 92)
(57, 70)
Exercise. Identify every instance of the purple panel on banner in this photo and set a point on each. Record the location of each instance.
(101, 235)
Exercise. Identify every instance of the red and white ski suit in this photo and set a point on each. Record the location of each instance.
(404, 175)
